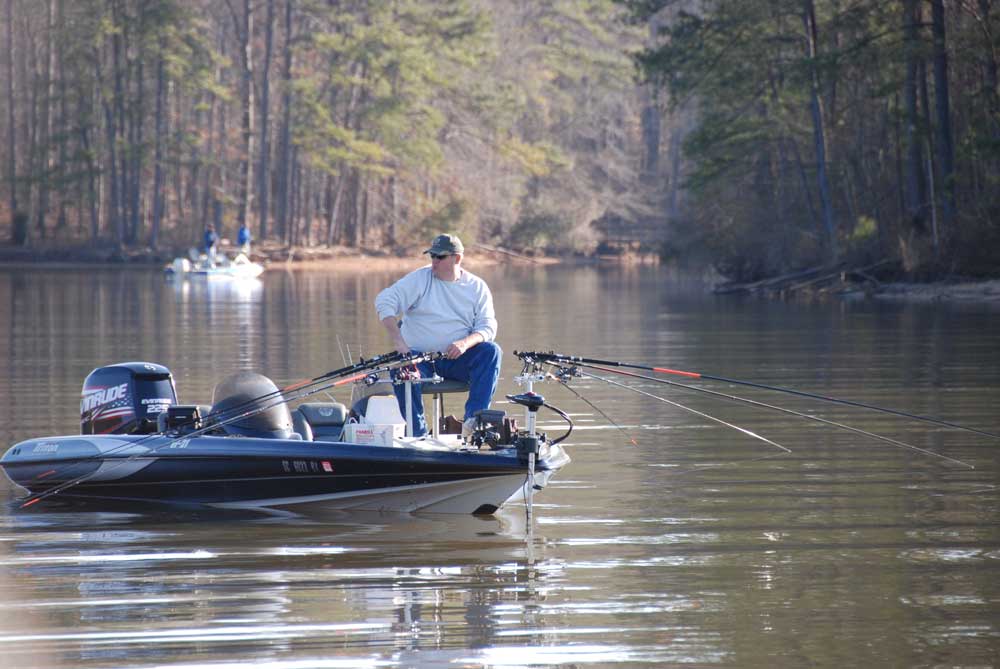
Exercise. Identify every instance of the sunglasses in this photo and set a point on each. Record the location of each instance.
(439, 256)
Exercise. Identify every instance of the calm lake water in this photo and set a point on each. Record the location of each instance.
(697, 545)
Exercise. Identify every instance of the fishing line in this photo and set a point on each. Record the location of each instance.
(735, 398)
(702, 467)
(565, 383)
(791, 391)
(596, 408)
(694, 411)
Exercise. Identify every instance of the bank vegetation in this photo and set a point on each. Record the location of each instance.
(762, 138)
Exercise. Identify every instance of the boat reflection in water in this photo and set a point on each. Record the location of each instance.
(271, 585)
(230, 289)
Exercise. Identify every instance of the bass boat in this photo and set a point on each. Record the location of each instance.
(239, 267)
(249, 449)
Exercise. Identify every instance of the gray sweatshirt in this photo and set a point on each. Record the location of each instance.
(435, 313)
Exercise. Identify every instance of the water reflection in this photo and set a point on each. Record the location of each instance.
(265, 583)
(204, 290)
(692, 545)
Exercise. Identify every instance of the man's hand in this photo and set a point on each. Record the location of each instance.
(457, 348)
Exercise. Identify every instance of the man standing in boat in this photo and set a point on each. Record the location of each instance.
(447, 309)
(210, 240)
(243, 238)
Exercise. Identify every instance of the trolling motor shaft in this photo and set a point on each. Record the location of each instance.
(532, 402)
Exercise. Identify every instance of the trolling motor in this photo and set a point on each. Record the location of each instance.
(527, 444)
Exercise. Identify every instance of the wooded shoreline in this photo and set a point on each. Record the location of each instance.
(841, 283)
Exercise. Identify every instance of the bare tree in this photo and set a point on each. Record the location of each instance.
(11, 112)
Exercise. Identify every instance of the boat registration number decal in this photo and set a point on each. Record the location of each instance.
(306, 466)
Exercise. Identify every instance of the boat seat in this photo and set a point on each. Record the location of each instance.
(437, 391)
(325, 419)
(301, 426)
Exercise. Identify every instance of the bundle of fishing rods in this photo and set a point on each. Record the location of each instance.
(366, 371)
(566, 367)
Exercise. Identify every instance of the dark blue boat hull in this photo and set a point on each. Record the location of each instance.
(240, 472)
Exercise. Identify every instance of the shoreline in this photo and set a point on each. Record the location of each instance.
(964, 290)
(275, 257)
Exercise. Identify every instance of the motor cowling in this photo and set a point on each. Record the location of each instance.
(125, 398)
(266, 414)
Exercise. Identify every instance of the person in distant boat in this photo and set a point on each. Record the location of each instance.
(243, 238)
(447, 309)
(211, 240)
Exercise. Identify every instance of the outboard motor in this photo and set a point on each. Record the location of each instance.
(125, 398)
(239, 390)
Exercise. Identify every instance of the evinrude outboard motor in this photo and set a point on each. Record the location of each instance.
(235, 395)
(125, 398)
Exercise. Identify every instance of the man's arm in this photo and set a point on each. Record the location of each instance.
(391, 325)
(485, 326)
(391, 302)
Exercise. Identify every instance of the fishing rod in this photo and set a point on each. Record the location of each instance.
(251, 407)
(772, 407)
(558, 357)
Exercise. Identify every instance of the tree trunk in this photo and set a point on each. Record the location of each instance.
(32, 127)
(334, 228)
(916, 197)
(307, 206)
(264, 179)
(650, 136)
(92, 195)
(914, 229)
(161, 130)
(137, 116)
(64, 120)
(113, 217)
(945, 147)
(391, 231)
(11, 114)
(294, 199)
(819, 134)
(245, 35)
(120, 126)
(282, 195)
(45, 123)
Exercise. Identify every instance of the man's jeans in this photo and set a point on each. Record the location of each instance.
(479, 367)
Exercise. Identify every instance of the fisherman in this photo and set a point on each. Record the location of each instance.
(210, 242)
(447, 309)
(243, 238)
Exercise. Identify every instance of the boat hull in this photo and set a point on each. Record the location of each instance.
(237, 472)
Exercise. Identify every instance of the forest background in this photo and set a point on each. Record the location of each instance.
(757, 137)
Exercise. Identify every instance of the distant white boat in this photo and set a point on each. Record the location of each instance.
(239, 267)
